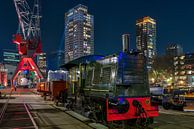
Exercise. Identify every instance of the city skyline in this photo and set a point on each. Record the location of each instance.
(84, 64)
(111, 21)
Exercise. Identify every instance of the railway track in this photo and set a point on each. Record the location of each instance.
(118, 124)
(16, 116)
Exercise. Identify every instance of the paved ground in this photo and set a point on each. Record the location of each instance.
(170, 119)
(48, 117)
(45, 115)
(16, 116)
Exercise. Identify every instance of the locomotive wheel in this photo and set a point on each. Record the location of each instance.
(94, 109)
(142, 123)
(166, 106)
(132, 122)
(151, 120)
(56, 102)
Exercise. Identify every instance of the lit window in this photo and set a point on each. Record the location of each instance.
(182, 57)
(181, 62)
(189, 72)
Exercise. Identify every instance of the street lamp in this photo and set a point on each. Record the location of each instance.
(152, 80)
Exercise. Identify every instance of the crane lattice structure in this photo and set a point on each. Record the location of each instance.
(28, 36)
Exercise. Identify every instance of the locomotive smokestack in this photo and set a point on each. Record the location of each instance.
(125, 42)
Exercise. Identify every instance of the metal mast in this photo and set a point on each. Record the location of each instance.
(29, 18)
(28, 37)
(29, 24)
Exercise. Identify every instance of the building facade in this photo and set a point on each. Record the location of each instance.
(146, 38)
(55, 60)
(41, 63)
(3, 75)
(60, 58)
(11, 58)
(184, 70)
(126, 42)
(79, 33)
(173, 50)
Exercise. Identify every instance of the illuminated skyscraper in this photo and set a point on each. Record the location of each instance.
(146, 38)
(79, 33)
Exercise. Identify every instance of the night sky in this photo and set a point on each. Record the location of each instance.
(112, 18)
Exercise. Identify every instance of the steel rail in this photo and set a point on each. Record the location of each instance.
(5, 107)
(32, 119)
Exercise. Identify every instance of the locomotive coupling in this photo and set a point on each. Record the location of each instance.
(139, 107)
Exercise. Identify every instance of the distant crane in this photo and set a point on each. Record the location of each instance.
(28, 37)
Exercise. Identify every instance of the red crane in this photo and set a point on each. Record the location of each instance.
(28, 37)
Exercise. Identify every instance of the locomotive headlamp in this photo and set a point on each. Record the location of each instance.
(123, 105)
(121, 101)
(120, 105)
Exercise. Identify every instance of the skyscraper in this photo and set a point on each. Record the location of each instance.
(41, 63)
(174, 50)
(126, 42)
(56, 59)
(146, 38)
(79, 33)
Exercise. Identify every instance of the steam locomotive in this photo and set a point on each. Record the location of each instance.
(112, 88)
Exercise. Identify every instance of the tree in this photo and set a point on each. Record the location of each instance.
(162, 70)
